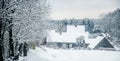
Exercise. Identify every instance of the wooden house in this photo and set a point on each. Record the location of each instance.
(76, 37)
(66, 39)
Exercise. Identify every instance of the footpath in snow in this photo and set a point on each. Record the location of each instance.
(71, 55)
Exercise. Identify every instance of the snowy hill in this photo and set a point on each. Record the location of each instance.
(71, 55)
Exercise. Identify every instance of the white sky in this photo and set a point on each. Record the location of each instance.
(61, 9)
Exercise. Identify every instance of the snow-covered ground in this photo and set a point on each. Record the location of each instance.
(71, 55)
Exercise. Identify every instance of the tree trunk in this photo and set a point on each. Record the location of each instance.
(1, 57)
(25, 49)
(11, 41)
(1, 40)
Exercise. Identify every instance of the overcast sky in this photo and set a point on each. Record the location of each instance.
(61, 9)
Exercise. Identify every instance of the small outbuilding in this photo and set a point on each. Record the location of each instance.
(104, 44)
(100, 43)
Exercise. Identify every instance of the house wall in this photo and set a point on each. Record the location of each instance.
(63, 45)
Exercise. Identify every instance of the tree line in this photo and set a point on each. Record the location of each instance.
(108, 23)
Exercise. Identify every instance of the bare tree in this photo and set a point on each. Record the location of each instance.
(5, 21)
(110, 24)
(29, 20)
(21, 20)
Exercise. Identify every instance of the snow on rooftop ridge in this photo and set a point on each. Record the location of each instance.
(72, 28)
(93, 41)
(64, 37)
(69, 36)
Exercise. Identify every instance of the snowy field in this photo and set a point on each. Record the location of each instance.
(71, 55)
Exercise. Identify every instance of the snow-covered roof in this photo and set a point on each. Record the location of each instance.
(93, 41)
(72, 34)
(69, 36)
